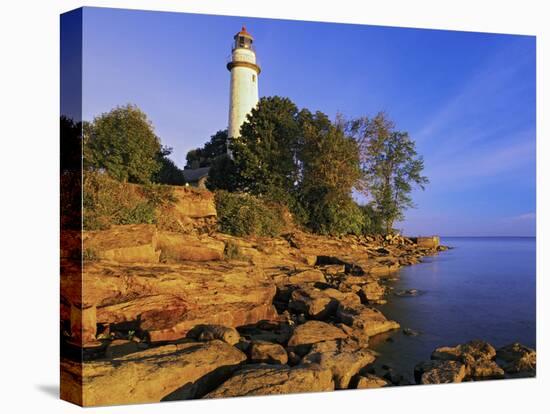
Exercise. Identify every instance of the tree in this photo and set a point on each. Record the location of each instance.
(222, 174)
(169, 173)
(123, 143)
(330, 170)
(265, 154)
(205, 156)
(391, 166)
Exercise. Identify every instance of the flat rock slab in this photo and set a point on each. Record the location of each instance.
(135, 243)
(177, 247)
(169, 299)
(370, 381)
(274, 379)
(170, 372)
(365, 320)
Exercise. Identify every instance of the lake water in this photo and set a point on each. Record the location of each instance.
(484, 288)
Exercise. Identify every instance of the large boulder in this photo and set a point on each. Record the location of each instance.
(275, 379)
(267, 352)
(372, 293)
(343, 365)
(467, 353)
(312, 332)
(135, 243)
(439, 372)
(171, 372)
(317, 303)
(363, 319)
(518, 360)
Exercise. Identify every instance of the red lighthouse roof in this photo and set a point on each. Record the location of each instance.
(244, 32)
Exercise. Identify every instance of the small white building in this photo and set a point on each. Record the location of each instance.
(244, 68)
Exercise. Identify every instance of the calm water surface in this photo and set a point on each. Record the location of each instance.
(484, 288)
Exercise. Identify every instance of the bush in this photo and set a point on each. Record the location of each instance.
(106, 202)
(242, 215)
(336, 217)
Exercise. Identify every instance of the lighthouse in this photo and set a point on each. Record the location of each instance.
(243, 94)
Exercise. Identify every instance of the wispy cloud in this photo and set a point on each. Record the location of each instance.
(524, 217)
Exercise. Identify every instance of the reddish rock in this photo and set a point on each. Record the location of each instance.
(135, 243)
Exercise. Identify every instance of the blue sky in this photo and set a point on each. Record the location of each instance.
(467, 99)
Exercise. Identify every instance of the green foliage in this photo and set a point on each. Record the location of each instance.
(205, 156)
(391, 165)
(106, 201)
(266, 152)
(232, 251)
(222, 174)
(243, 214)
(330, 171)
(168, 173)
(122, 143)
(372, 220)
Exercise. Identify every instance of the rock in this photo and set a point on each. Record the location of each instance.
(407, 293)
(383, 268)
(312, 302)
(167, 300)
(334, 269)
(410, 332)
(370, 381)
(372, 292)
(267, 352)
(176, 247)
(211, 332)
(307, 276)
(279, 333)
(170, 372)
(136, 243)
(484, 369)
(312, 332)
(120, 347)
(367, 320)
(317, 303)
(343, 365)
(427, 242)
(274, 379)
(518, 359)
(468, 352)
(439, 372)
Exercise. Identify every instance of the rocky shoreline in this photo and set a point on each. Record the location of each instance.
(168, 316)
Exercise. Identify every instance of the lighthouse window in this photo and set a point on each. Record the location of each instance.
(253, 78)
(241, 41)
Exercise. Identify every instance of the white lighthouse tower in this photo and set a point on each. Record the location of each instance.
(243, 95)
